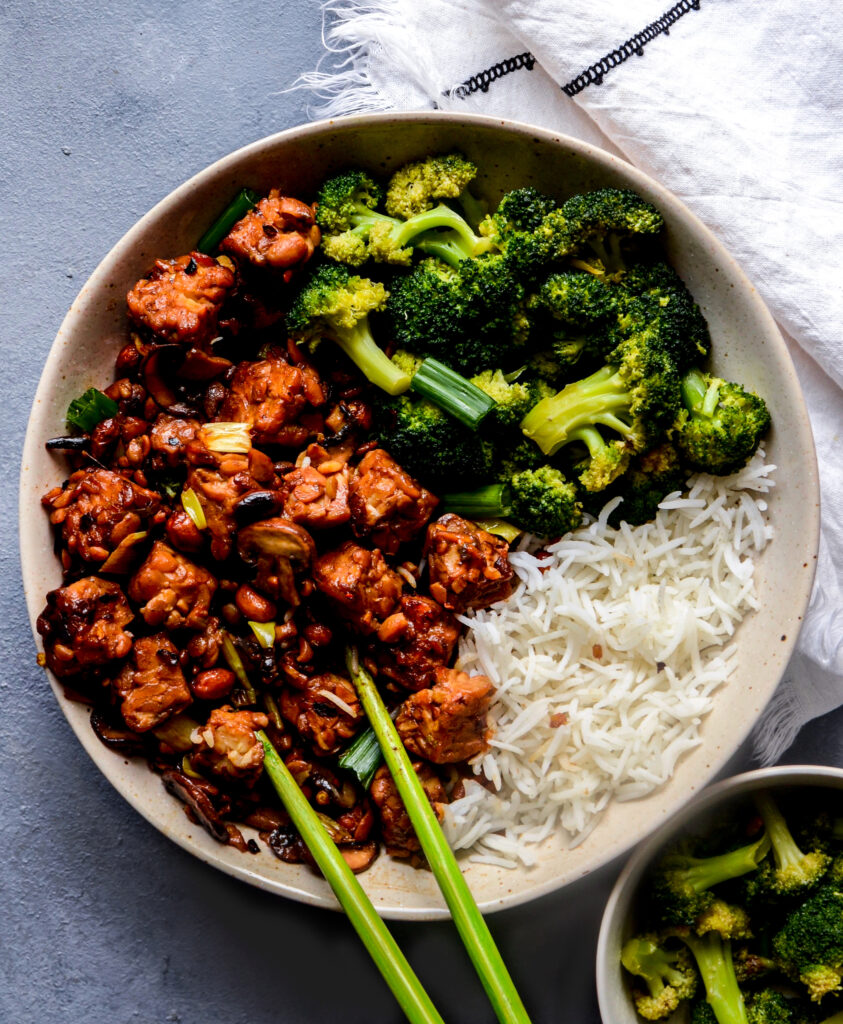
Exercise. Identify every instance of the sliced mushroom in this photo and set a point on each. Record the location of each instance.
(277, 547)
(197, 798)
(162, 361)
(255, 505)
(116, 737)
(359, 856)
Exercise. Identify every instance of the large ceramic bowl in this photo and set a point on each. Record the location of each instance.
(747, 345)
(618, 923)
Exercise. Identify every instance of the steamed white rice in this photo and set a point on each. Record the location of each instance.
(622, 636)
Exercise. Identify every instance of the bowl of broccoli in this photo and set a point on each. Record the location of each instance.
(732, 913)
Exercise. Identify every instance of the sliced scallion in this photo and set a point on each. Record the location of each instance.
(229, 652)
(376, 937)
(473, 930)
(363, 757)
(452, 392)
(265, 633)
(490, 502)
(227, 437)
(193, 507)
(500, 528)
(236, 210)
(89, 409)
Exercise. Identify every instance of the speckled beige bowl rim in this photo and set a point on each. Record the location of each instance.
(504, 889)
(615, 1005)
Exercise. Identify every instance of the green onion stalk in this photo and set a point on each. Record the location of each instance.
(236, 210)
(452, 392)
(377, 939)
(490, 502)
(473, 930)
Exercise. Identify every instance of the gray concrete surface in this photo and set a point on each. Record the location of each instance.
(105, 108)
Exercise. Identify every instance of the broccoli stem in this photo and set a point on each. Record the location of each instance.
(714, 960)
(362, 349)
(440, 217)
(491, 502)
(600, 399)
(703, 873)
(785, 851)
(236, 210)
(445, 246)
(452, 392)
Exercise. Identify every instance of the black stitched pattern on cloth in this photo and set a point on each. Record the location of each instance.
(482, 81)
(592, 75)
(661, 26)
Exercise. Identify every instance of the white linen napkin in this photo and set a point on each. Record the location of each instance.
(734, 105)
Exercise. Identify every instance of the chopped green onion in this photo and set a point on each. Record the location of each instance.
(363, 757)
(188, 769)
(271, 709)
(377, 939)
(490, 502)
(452, 392)
(121, 558)
(229, 652)
(473, 930)
(86, 411)
(234, 438)
(176, 732)
(236, 210)
(191, 504)
(500, 528)
(264, 631)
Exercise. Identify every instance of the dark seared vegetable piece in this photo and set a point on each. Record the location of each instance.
(447, 723)
(468, 567)
(386, 503)
(83, 626)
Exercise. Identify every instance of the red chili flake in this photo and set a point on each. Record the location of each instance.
(597, 651)
(558, 718)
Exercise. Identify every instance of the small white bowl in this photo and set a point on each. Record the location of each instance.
(618, 918)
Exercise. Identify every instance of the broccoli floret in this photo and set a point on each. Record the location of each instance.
(769, 1006)
(633, 398)
(702, 1013)
(681, 883)
(514, 458)
(521, 229)
(810, 943)
(792, 872)
(721, 425)
(544, 502)
(514, 399)
(334, 304)
(470, 317)
(576, 299)
(750, 965)
(728, 920)
(649, 479)
(430, 444)
(668, 974)
(653, 296)
(353, 230)
(599, 225)
(419, 186)
(713, 956)
(547, 366)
